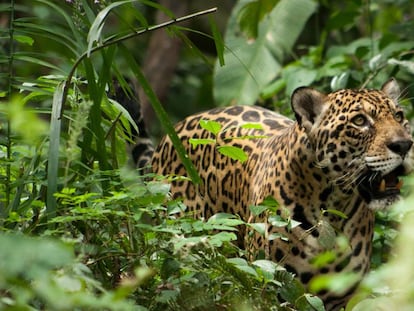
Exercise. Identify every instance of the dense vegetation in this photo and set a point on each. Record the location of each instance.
(80, 230)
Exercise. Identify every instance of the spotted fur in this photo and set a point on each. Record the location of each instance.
(333, 158)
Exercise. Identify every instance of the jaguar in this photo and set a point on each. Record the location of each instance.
(330, 170)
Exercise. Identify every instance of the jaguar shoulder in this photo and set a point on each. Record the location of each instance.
(345, 152)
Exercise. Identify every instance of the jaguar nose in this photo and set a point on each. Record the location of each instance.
(400, 147)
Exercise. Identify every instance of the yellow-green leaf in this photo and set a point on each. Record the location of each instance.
(233, 152)
(200, 141)
(211, 126)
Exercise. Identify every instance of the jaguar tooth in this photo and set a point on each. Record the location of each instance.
(399, 184)
(382, 185)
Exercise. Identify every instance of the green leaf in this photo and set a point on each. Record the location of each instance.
(65, 34)
(315, 302)
(292, 290)
(252, 126)
(258, 209)
(260, 227)
(211, 126)
(251, 66)
(53, 156)
(337, 283)
(37, 61)
(408, 65)
(323, 259)
(270, 202)
(278, 221)
(336, 213)
(24, 39)
(169, 267)
(124, 112)
(252, 13)
(327, 234)
(274, 236)
(219, 217)
(31, 257)
(242, 265)
(95, 31)
(25, 121)
(296, 76)
(218, 41)
(218, 239)
(293, 224)
(237, 261)
(201, 141)
(233, 152)
(273, 88)
(96, 92)
(223, 219)
(266, 265)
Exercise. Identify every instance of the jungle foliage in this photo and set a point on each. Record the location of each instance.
(81, 230)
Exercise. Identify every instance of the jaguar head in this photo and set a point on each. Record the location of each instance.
(360, 139)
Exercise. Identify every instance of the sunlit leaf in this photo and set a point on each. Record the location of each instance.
(323, 259)
(336, 213)
(255, 126)
(233, 152)
(213, 127)
(24, 39)
(200, 141)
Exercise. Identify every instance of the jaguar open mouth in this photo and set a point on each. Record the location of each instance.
(374, 186)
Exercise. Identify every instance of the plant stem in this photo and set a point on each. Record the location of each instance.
(9, 91)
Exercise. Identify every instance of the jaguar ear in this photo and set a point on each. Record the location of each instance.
(308, 104)
(392, 89)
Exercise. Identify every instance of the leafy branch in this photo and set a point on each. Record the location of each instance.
(61, 94)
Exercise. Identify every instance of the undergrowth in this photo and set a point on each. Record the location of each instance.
(81, 230)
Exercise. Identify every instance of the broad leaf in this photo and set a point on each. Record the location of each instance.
(211, 126)
(252, 13)
(251, 66)
(258, 209)
(31, 257)
(233, 152)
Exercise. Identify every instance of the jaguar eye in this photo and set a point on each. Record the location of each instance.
(399, 116)
(359, 120)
